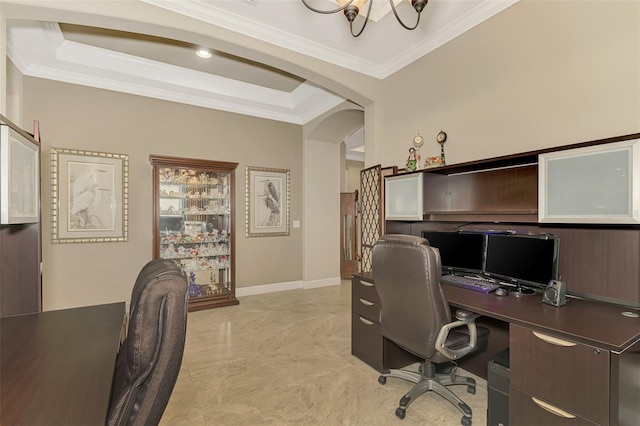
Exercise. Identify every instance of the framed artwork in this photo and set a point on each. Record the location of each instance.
(267, 202)
(89, 196)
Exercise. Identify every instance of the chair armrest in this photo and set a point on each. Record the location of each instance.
(465, 319)
(462, 314)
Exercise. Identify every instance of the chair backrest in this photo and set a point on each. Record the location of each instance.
(149, 360)
(406, 272)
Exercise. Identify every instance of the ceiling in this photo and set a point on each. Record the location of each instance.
(169, 69)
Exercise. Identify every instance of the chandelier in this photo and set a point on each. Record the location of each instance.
(351, 8)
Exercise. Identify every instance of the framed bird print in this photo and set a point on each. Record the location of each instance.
(89, 196)
(267, 202)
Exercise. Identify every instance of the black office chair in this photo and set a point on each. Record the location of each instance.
(416, 316)
(149, 359)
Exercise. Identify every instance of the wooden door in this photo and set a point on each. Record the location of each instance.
(348, 234)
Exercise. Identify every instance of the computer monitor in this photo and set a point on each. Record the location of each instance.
(459, 251)
(530, 260)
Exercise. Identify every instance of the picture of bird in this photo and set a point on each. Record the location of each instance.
(272, 203)
(85, 193)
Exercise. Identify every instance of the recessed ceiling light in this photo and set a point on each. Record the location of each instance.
(203, 53)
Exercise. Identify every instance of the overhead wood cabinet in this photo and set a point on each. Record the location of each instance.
(20, 240)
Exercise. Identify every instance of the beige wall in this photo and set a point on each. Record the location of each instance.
(323, 159)
(90, 119)
(539, 74)
(353, 175)
(322, 202)
(13, 98)
(3, 64)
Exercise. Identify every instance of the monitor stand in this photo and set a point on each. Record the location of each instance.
(522, 291)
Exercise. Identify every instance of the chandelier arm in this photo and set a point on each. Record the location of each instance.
(366, 19)
(327, 12)
(393, 7)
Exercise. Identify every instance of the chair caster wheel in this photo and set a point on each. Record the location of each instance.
(471, 390)
(401, 412)
(465, 421)
(382, 380)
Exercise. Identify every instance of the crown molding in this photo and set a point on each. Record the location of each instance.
(222, 18)
(41, 51)
(207, 12)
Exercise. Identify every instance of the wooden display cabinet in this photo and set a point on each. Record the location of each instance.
(193, 224)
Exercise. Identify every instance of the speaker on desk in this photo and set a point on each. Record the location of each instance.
(555, 293)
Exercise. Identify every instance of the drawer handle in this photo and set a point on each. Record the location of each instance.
(366, 302)
(553, 409)
(366, 321)
(553, 340)
(366, 284)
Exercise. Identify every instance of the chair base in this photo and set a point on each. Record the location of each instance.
(428, 380)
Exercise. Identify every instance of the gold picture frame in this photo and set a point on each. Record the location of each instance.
(267, 202)
(89, 196)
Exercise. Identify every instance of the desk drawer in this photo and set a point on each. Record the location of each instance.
(365, 290)
(366, 308)
(367, 341)
(570, 375)
(527, 410)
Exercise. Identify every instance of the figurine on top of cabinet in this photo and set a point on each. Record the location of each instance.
(413, 160)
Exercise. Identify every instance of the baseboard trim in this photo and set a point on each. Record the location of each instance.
(325, 282)
(291, 285)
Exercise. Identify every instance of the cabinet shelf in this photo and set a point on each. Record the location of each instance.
(200, 256)
(192, 184)
(194, 214)
(186, 242)
(480, 212)
(165, 197)
(194, 225)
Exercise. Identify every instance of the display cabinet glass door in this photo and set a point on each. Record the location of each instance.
(195, 228)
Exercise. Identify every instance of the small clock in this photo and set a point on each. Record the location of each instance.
(418, 140)
(442, 137)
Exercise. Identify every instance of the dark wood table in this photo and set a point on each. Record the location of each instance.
(602, 324)
(57, 366)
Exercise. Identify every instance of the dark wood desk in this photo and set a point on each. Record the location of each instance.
(581, 359)
(57, 366)
(584, 321)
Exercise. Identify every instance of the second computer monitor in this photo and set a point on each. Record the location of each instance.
(522, 259)
(459, 251)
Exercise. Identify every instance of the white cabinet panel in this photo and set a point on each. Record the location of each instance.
(596, 184)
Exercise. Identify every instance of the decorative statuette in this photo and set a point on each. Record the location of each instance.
(412, 160)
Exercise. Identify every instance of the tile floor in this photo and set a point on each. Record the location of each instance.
(285, 359)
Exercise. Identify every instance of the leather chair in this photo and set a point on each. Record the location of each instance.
(149, 359)
(416, 316)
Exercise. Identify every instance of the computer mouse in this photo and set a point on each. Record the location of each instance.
(502, 291)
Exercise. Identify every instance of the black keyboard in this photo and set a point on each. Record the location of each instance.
(471, 283)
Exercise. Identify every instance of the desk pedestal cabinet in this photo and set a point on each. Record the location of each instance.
(367, 342)
(557, 381)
